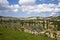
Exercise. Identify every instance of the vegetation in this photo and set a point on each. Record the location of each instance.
(10, 28)
(8, 34)
(34, 24)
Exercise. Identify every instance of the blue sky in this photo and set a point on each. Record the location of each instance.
(47, 1)
(12, 2)
(37, 1)
(25, 8)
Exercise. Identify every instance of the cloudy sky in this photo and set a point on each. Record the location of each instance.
(28, 8)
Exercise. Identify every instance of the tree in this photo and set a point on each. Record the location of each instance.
(58, 25)
(43, 24)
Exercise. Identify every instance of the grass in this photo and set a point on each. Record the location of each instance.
(9, 34)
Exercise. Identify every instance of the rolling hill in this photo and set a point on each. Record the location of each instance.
(8, 34)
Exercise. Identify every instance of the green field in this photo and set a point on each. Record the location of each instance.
(8, 34)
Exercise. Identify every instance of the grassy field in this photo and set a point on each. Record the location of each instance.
(8, 34)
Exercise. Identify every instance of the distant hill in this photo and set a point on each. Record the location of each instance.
(30, 22)
(54, 17)
(14, 18)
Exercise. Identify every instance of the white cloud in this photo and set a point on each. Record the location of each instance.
(4, 2)
(59, 0)
(5, 7)
(56, 10)
(14, 8)
(52, 14)
(25, 2)
(41, 8)
(37, 8)
(27, 7)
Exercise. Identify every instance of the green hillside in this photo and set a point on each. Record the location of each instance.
(8, 34)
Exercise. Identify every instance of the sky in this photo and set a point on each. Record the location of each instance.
(28, 8)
